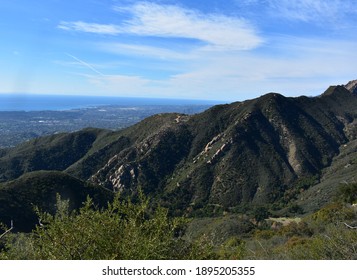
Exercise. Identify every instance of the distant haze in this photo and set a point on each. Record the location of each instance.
(32, 102)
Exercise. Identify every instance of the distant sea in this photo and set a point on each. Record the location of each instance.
(37, 102)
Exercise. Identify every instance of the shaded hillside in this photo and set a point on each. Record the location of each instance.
(342, 171)
(55, 152)
(19, 197)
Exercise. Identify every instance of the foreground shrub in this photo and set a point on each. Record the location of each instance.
(337, 243)
(123, 230)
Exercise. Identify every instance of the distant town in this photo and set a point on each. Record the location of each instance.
(20, 126)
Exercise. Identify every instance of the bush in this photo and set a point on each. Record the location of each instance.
(333, 213)
(337, 243)
(294, 229)
(233, 248)
(348, 193)
(123, 230)
(261, 213)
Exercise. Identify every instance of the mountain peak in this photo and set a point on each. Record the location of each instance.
(336, 91)
(352, 86)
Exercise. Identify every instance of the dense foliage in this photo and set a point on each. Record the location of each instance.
(123, 230)
(18, 197)
(328, 234)
(128, 230)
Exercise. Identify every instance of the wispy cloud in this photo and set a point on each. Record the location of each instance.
(311, 10)
(141, 50)
(223, 56)
(307, 70)
(170, 21)
(81, 26)
(323, 12)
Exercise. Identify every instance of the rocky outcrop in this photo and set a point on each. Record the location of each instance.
(352, 86)
(148, 161)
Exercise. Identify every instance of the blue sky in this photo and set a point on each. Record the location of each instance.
(200, 49)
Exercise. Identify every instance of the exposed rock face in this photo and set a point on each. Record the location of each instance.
(352, 86)
(148, 160)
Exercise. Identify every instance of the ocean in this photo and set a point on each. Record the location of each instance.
(37, 102)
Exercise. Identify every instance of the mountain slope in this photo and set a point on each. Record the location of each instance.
(245, 152)
(55, 152)
(254, 152)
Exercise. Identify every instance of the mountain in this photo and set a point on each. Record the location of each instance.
(245, 152)
(272, 150)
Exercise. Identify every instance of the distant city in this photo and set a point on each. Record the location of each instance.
(20, 126)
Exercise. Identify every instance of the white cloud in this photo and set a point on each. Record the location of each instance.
(145, 51)
(233, 78)
(304, 10)
(331, 14)
(172, 21)
(319, 11)
(301, 66)
(149, 19)
(81, 26)
(220, 65)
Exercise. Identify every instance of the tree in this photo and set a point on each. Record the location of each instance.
(261, 213)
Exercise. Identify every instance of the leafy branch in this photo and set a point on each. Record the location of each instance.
(8, 230)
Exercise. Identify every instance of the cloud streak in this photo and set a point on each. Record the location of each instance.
(222, 55)
(311, 10)
(310, 66)
(218, 32)
(80, 26)
(85, 64)
(329, 13)
(142, 50)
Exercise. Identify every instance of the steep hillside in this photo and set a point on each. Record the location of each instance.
(342, 171)
(244, 152)
(114, 143)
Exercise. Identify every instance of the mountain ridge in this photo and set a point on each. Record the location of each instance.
(225, 134)
(255, 152)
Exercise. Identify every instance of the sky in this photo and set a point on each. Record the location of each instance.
(229, 50)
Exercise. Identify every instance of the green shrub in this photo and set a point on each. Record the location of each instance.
(233, 249)
(337, 243)
(348, 193)
(123, 230)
